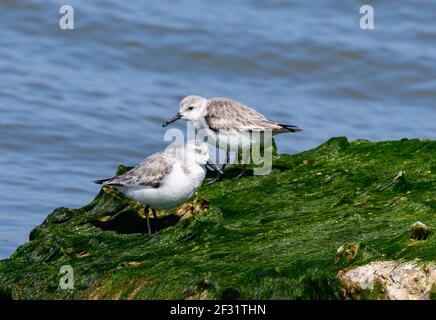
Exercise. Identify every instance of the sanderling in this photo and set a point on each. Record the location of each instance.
(166, 179)
(228, 123)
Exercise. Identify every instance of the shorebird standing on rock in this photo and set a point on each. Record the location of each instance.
(228, 123)
(164, 180)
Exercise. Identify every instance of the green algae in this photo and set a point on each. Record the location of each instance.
(261, 237)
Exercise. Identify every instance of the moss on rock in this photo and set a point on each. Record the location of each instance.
(260, 237)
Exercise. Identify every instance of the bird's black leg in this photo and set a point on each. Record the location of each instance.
(240, 175)
(217, 178)
(155, 219)
(147, 217)
(226, 161)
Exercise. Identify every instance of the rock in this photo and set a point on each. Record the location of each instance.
(389, 280)
(419, 231)
(347, 252)
(260, 237)
(190, 209)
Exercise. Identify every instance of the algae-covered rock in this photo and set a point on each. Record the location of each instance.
(193, 208)
(348, 252)
(298, 233)
(419, 231)
(389, 280)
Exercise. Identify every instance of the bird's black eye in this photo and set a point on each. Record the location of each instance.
(191, 108)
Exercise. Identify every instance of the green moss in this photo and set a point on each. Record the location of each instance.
(262, 237)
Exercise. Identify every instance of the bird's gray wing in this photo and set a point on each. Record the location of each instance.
(149, 173)
(230, 115)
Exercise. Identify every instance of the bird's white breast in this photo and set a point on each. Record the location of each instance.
(235, 140)
(177, 187)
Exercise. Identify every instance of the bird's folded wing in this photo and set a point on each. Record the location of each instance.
(230, 115)
(149, 173)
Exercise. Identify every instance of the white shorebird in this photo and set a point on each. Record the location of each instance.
(164, 180)
(228, 123)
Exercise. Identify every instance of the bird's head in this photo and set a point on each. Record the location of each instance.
(192, 108)
(198, 152)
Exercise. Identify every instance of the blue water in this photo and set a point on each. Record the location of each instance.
(74, 104)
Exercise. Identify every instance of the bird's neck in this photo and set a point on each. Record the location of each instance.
(194, 169)
(201, 123)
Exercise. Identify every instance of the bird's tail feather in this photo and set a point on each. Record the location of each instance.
(101, 181)
(291, 128)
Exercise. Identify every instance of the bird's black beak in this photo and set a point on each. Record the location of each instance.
(174, 119)
(215, 167)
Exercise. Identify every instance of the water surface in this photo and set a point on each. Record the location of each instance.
(74, 104)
